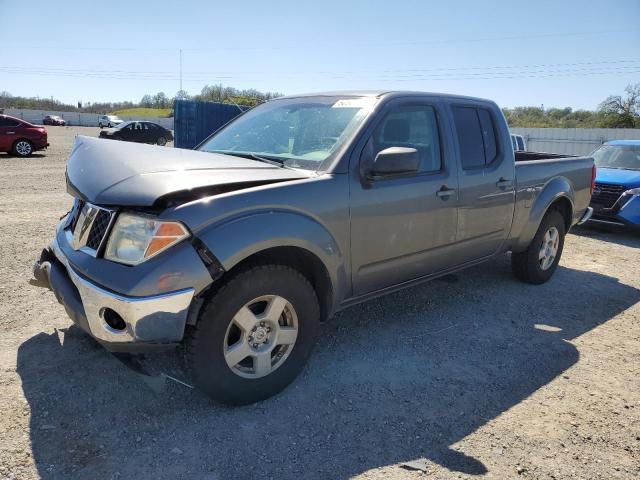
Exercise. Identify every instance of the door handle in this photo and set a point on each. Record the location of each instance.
(504, 183)
(445, 192)
(11, 133)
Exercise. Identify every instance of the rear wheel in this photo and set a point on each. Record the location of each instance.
(22, 148)
(538, 263)
(254, 335)
(100, 125)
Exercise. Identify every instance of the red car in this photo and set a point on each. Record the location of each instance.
(21, 138)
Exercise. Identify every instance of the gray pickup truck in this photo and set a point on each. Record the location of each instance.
(303, 206)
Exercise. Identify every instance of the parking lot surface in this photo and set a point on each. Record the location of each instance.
(470, 375)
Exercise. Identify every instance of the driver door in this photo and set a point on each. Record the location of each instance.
(402, 225)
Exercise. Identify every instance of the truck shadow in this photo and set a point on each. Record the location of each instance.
(609, 235)
(401, 378)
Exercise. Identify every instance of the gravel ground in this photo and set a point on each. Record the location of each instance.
(474, 374)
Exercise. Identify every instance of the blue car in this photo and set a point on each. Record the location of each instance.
(616, 196)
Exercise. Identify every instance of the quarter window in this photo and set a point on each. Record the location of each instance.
(476, 136)
(412, 126)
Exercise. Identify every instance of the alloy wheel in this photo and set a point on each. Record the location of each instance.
(260, 336)
(23, 148)
(549, 248)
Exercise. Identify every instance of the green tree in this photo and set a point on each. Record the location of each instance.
(622, 112)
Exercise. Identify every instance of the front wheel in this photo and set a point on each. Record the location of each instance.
(162, 141)
(254, 335)
(539, 261)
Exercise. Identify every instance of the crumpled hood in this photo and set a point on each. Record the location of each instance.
(105, 172)
(618, 176)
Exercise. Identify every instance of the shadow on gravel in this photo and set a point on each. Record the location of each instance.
(619, 236)
(397, 379)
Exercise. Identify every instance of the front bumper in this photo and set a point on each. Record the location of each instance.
(625, 215)
(148, 322)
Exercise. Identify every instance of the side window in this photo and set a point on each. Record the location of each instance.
(488, 136)
(8, 122)
(412, 126)
(469, 136)
(520, 141)
(476, 136)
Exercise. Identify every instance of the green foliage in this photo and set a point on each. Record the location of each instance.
(552, 117)
(222, 94)
(144, 112)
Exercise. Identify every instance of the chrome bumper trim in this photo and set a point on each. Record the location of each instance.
(586, 216)
(155, 319)
(606, 222)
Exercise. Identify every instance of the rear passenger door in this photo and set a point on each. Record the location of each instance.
(486, 181)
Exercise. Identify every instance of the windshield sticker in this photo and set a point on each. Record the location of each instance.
(362, 102)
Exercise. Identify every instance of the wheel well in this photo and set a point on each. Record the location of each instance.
(303, 261)
(563, 205)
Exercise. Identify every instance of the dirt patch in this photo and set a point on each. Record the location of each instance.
(476, 374)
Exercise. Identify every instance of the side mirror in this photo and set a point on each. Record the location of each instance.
(394, 160)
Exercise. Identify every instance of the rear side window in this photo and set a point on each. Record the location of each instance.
(520, 141)
(476, 136)
(488, 135)
(8, 122)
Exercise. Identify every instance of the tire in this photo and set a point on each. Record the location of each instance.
(100, 125)
(22, 148)
(208, 344)
(530, 266)
(162, 141)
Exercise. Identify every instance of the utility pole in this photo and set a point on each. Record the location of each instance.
(181, 70)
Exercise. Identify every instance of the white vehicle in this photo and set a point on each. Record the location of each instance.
(518, 142)
(109, 121)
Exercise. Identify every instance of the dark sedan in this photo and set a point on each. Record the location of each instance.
(141, 132)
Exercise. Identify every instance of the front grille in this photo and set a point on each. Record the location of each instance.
(89, 226)
(76, 214)
(605, 195)
(99, 229)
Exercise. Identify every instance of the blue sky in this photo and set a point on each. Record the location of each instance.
(556, 53)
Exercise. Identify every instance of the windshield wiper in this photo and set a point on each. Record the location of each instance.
(272, 160)
(261, 158)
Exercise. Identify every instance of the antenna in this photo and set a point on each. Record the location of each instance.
(180, 69)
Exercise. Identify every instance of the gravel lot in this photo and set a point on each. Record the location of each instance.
(474, 374)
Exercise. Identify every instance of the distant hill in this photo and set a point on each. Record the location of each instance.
(144, 112)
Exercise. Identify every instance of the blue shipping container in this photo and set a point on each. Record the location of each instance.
(195, 121)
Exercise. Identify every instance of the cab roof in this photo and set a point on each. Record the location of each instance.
(384, 93)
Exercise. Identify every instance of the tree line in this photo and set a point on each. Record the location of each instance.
(616, 111)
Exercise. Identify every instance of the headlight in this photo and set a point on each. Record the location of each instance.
(628, 196)
(136, 238)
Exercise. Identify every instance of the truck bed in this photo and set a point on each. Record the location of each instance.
(528, 156)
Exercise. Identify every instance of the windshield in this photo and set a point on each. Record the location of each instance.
(120, 126)
(299, 132)
(113, 117)
(618, 156)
